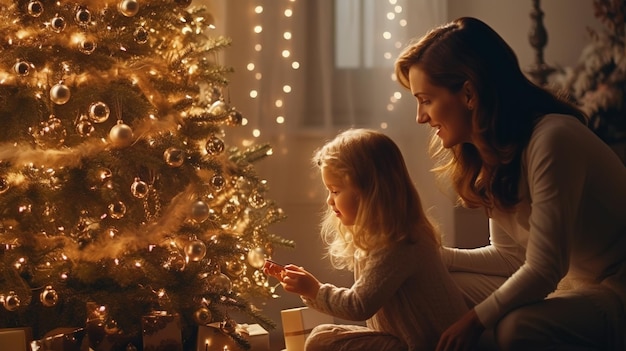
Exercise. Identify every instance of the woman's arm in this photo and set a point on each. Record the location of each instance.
(502, 257)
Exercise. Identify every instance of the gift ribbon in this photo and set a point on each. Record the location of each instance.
(299, 332)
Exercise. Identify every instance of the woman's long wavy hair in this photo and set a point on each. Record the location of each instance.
(389, 207)
(485, 173)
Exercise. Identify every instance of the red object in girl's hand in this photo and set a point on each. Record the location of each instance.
(274, 269)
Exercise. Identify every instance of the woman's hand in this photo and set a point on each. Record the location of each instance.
(463, 335)
(297, 280)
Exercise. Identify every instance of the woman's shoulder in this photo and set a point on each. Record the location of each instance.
(560, 131)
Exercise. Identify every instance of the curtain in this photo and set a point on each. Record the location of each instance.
(322, 65)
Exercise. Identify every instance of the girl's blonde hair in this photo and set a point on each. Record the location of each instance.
(389, 207)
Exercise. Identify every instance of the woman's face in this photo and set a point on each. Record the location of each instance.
(342, 197)
(449, 113)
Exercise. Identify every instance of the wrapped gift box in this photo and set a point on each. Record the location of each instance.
(161, 332)
(258, 337)
(298, 323)
(61, 339)
(16, 339)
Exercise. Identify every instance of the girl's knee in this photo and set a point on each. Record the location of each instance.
(320, 338)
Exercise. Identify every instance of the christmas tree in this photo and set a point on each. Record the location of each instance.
(598, 82)
(116, 187)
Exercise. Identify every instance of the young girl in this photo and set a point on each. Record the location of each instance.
(375, 225)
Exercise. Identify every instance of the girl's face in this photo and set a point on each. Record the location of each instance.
(449, 113)
(342, 197)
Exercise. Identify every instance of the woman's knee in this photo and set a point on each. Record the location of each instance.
(518, 330)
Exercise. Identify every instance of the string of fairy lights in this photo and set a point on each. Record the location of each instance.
(391, 38)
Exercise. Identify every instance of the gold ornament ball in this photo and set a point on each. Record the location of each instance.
(128, 8)
(58, 24)
(256, 257)
(139, 188)
(84, 127)
(99, 112)
(235, 268)
(214, 145)
(195, 250)
(200, 211)
(11, 302)
(183, 3)
(35, 8)
(22, 68)
(141, 35)
(83, 16)
(218, 108)
(4, 185)
(60, 94)
(121, 135)
(49, 297)
(235, 118)
(117, 210)
(202, 316)
(174, 157)
(87, 47)
(218, 182)
(221, 282)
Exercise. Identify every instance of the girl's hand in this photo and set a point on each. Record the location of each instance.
(297, 280)
(274, 269)
(463, 335)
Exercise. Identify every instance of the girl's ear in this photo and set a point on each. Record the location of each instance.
(469, 93)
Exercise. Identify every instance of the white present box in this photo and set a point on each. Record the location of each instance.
(161, 331)
(298, 323)
(258, 337)
(15, 339)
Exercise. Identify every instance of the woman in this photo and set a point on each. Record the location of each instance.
(554, 274)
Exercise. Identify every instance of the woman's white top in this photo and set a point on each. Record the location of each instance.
(571, 222)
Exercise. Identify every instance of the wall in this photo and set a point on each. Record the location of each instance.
(296, 186)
